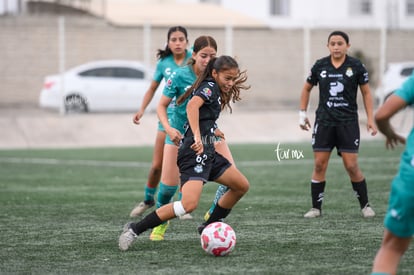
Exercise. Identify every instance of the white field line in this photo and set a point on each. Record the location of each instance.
(135, 164)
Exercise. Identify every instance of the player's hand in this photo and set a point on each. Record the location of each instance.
(393, 141)
(372, 128)
(137, 116)
(219, 133)
(304, 121)
(197, 146)
(174, 135)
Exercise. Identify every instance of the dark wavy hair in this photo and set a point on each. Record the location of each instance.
(167, 51)
(220, 64)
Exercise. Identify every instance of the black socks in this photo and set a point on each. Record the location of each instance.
(361, 192)
(149, 221)
(317, 192)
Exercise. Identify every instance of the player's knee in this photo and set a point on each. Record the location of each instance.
(352, 169)
(243, 186)
(190, 205)
(320, 167)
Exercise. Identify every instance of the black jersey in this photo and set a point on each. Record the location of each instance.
(338, 89)
(210, 110)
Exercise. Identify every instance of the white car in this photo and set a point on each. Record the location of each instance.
(392, 79)
(106, 85)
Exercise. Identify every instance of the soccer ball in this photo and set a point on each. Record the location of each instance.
(218, 239)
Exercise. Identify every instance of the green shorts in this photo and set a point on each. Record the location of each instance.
(399, 219)
(177, 124)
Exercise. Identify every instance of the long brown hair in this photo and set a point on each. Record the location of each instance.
(220, 64)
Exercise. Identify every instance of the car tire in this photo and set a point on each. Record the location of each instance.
(75, 104)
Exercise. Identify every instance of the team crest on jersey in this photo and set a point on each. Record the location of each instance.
(206, 92)
(349, 72)
(198, 168)
(169, 82)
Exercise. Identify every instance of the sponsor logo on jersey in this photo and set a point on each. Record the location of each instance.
(349, 72)
(198, 168)
(206, 92)
(336, 87)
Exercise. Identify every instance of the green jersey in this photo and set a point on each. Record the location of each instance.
(165, 67)
(178, 83)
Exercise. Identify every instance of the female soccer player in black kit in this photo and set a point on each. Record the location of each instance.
(336, 122)
(197, 160)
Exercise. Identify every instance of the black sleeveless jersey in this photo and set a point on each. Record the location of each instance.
(210, 110)
(338, 89)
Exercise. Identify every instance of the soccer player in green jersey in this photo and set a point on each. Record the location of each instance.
(336, 123)
(171, 58)
(399, 219)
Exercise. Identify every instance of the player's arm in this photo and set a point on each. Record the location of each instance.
(149, 94)
(369, 109)
(382, 117)
(304, 101)
(193, 115)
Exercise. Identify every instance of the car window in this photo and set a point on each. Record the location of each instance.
(407, 71)
(100, 72)
(124, 72)
(115, 72)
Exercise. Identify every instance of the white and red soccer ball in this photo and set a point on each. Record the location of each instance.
(218, 239)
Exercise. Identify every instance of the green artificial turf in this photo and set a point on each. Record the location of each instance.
(62, 210)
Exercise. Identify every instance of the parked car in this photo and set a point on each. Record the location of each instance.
(105, 85)
(392, 79)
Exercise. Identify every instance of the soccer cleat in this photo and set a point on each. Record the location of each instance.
(186, 217)
(201, 227)
(367, 212)
(127, 237)
(140, 208)
(313, 213)
(207, 215)
(158, 232)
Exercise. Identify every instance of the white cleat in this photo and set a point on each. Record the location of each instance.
(313, 213)
(186, 217)
(139, 209)
(367, 212)
(127, 237)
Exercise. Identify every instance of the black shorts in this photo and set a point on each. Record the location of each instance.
(345, 138)
(205, 167)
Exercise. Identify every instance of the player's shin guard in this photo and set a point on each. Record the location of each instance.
(361, 192)
(219, 193)
(149, 221)
(165, 194)
(317, 192)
